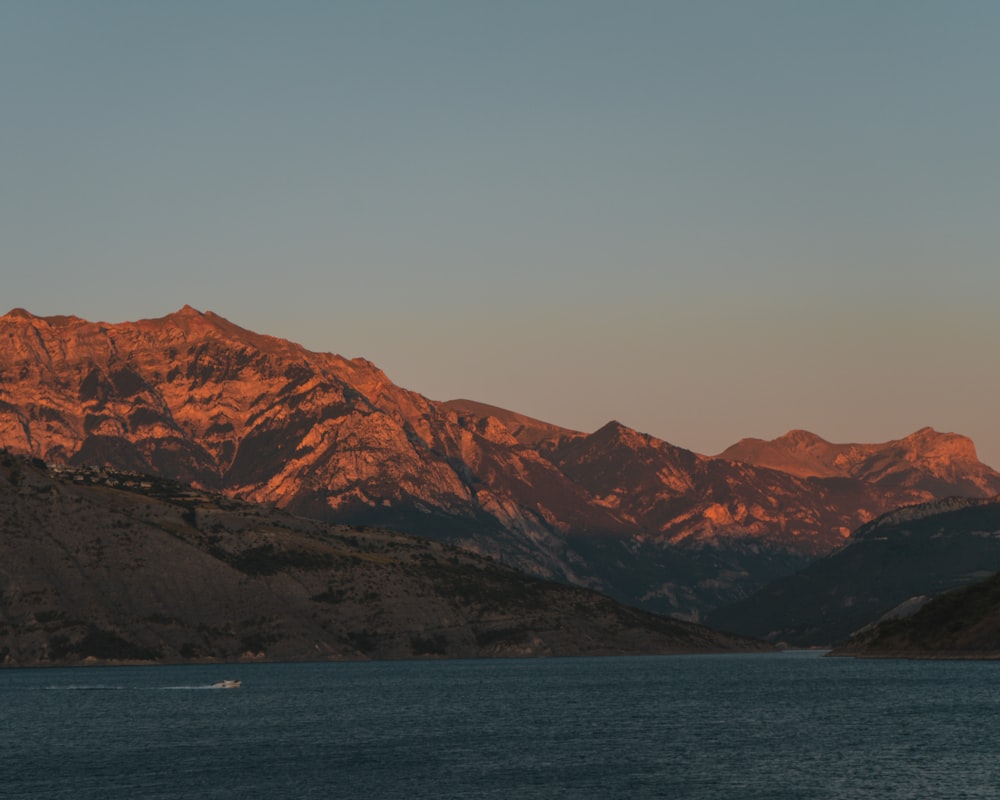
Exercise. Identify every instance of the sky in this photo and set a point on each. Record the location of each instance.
(705, 219)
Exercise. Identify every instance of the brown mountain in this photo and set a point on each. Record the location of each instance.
(526, 430)
(674, 495)
(101, 566)
(194, 397)
(926, 461)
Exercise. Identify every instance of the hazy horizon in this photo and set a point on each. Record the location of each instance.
(707, 221)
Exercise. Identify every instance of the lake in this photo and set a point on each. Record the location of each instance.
(790, 725)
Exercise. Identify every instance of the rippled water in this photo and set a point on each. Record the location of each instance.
(776, 726)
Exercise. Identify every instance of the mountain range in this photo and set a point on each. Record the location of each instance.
(925, 461)
(196, 398)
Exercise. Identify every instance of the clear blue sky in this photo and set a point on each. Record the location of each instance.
(705, 219)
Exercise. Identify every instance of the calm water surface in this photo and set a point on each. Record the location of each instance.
(776, 726)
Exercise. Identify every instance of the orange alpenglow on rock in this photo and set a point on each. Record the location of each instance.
(194, 397)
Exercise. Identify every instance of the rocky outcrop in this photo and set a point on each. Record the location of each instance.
(193, 397)
(925, 461)
(676, 496)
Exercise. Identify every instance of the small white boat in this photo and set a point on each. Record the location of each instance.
(227, 685)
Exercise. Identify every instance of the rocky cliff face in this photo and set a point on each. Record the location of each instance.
(925, 461)
(194, 397)
(676, 496)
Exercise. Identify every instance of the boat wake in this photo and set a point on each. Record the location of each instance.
(106, 688)
(86, 688)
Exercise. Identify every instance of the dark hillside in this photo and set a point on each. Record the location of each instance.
(105, 566)
(964, 623)
(921, 550)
